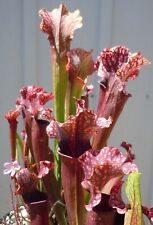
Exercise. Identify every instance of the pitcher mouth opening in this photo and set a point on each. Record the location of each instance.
(35, 197)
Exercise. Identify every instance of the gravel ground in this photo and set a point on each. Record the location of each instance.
(10, 218)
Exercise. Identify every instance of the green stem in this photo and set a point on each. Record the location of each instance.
(20, 142)
(60, 78)
(57, 160)
(59, 210)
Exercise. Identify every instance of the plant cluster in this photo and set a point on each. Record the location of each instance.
(79, 180)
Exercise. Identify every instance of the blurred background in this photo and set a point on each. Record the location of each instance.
(25, 60)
